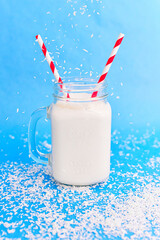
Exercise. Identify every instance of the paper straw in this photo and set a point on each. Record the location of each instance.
(50, 62)
(109, 62)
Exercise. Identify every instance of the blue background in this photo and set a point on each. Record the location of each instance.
(138, 55)
(69, 28)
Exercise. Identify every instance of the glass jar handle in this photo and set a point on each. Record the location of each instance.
(33, 151)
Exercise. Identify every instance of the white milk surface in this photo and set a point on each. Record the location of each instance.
(81, 135)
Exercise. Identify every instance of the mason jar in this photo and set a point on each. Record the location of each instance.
(80, 131)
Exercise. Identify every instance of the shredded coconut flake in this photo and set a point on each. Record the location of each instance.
(126, 206)
(85, 50)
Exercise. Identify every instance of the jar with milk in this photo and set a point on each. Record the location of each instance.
(81, 132)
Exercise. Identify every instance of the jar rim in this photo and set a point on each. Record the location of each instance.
(82, 86)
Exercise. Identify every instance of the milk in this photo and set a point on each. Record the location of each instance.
(81, 135)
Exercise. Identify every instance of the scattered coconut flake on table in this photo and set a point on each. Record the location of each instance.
(12, 137)
(127, 206)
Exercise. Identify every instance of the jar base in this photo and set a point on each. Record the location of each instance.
(82, 184)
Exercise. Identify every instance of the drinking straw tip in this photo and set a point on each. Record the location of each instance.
(36, 36)
(121, 34)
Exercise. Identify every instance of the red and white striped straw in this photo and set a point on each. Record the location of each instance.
(50, 62)
(109, 62)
